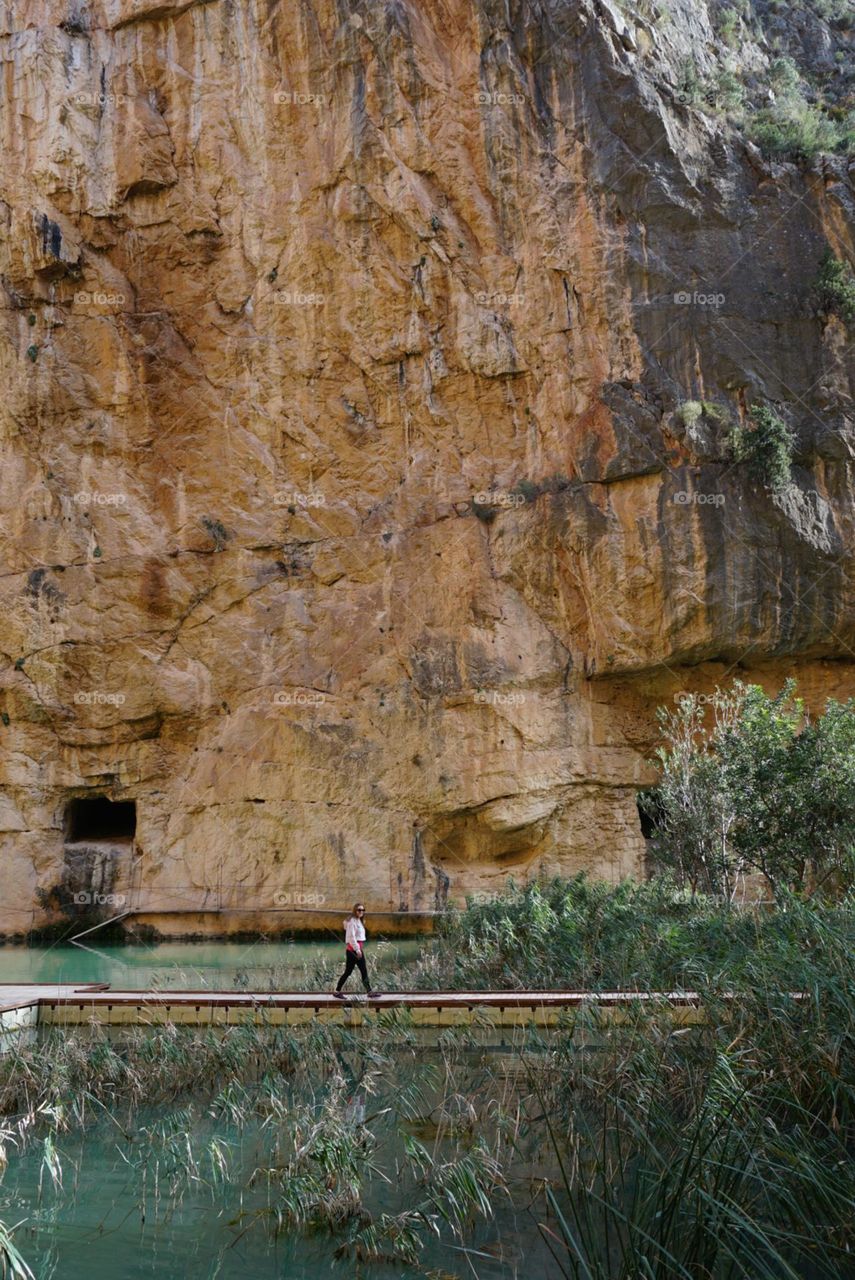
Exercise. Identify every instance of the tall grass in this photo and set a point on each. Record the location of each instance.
(178, 1105)
(583, 934)
(662, 1181)
(12, 1264)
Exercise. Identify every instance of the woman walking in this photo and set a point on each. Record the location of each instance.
(354, 942)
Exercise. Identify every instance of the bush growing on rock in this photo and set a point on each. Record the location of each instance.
(691, 412)
(217, 531)
(792, 127)
(766, 445)
(788, 116)
(835, 284)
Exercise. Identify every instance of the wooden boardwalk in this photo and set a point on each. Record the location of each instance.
(68, 1005)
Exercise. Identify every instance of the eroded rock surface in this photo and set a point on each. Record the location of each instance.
(350, 523)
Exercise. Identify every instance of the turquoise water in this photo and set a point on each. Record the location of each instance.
(124, 1210)
(97, 1233)
(113, 1215)
(227, 966)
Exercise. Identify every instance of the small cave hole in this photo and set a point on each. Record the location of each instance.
(650, 813)
(99, 818)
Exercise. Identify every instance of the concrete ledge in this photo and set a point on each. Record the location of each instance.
(97, 1003)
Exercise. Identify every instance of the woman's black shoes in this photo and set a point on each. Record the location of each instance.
(339, 995)
(374, 995)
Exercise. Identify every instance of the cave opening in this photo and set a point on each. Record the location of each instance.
(650, 813)
(99, 818)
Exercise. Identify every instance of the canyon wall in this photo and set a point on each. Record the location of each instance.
(352, 523)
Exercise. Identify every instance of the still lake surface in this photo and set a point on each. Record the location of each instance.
(227, 966)
(108, 1220)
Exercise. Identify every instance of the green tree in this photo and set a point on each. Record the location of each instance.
(762, 788)
(691, 807)
(761, 761)
(829, 813)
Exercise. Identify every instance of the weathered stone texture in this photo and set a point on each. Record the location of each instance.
(349, 524)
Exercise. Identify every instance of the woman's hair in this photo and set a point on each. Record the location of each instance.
(356, 907)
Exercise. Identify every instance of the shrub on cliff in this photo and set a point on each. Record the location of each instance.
(790, 113)
(757, 790)
(692, 411)
(765, 443)
(835, 284)
(792, 127)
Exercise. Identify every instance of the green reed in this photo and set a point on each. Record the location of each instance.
(721, 1151)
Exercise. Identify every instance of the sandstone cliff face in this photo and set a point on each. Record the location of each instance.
(350, 525)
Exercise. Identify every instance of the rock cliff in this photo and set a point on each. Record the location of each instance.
(354, 522)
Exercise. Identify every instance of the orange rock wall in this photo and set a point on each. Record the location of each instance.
(350, 524)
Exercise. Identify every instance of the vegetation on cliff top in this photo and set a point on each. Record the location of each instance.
(782, 73)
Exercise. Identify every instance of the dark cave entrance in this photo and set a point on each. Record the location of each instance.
(649, 820)
(98, 818)
(651, 814)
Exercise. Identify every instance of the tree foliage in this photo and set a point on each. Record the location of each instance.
(753, 785)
